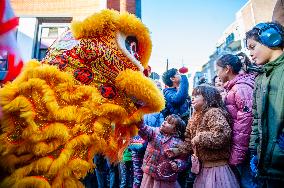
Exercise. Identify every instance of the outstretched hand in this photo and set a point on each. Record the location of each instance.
(172, 152)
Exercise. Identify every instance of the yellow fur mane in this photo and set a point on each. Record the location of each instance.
(53, 124)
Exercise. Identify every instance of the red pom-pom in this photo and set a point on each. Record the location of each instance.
(183, 70)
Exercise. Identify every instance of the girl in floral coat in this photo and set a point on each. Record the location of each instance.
(159, 170)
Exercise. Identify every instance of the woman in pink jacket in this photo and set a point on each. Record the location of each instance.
(239, 88)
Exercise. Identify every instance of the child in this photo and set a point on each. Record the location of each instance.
(217, 82)
(208, 134)
(138, 147)
(155, 161)
(265, 43)
(239, 88)
(175, 93)
(125, 167)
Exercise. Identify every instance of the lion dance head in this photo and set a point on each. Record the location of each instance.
(83, 98)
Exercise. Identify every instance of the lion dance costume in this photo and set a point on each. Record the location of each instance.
(85, 97)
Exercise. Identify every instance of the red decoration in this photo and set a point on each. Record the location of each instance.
(108, 91)
(183, 70)
(84, 75)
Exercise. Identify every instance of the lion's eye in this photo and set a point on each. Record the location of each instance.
(131, 45)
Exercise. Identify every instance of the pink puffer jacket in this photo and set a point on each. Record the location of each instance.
(239, 101)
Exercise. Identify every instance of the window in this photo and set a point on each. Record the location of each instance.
(47, 37)
(49, 29)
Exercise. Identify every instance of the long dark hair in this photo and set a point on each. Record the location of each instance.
(212, 99)
(247, 65)
(236, 62)
(180, 124)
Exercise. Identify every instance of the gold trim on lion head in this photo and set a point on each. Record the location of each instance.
(101, 46)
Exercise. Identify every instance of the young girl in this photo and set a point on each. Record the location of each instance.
(208, 136)
(155, 162)
(239, 88)
(217, 82)
(138, 147)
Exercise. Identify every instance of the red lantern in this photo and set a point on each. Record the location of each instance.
(183, 70)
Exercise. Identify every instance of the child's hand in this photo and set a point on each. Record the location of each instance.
(174, 165)
(172, 152)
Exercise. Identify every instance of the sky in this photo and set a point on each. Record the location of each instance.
(186, 31)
